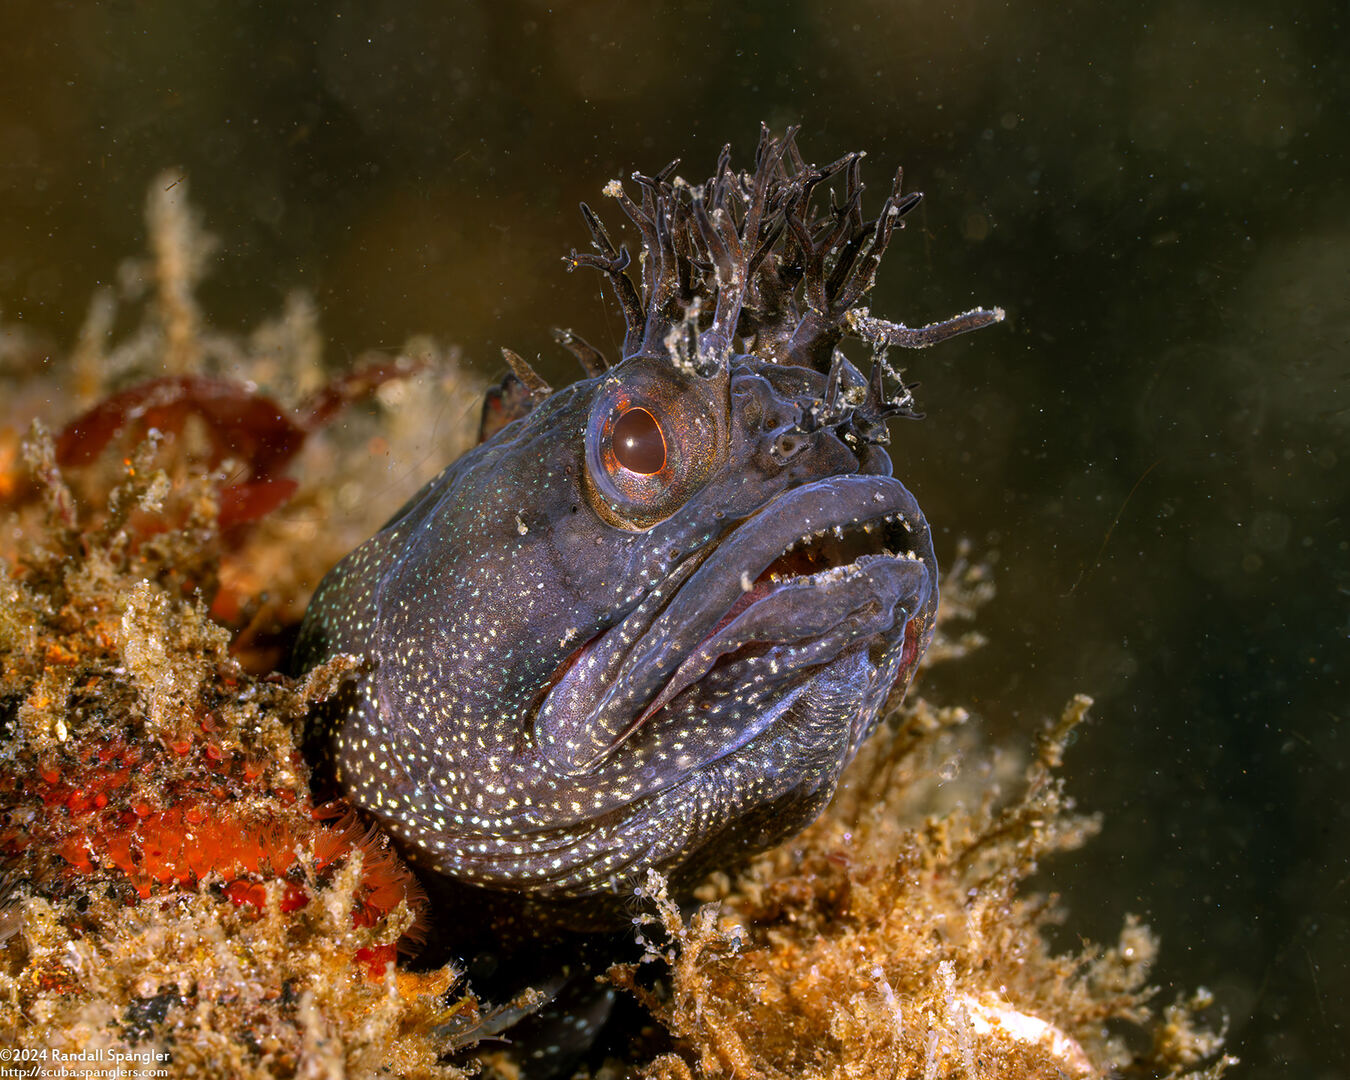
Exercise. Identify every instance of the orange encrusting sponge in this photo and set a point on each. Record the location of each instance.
(162, 817)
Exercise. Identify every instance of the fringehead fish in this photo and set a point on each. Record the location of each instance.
(651, 617)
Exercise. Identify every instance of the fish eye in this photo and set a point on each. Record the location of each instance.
(639, 445)
(653, 438)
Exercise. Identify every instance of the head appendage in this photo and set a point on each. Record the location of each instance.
(731, 213)
(591, 359)
(612, 262)
(743, 262)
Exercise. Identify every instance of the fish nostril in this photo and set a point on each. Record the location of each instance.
(788, 445)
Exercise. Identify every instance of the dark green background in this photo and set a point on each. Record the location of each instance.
(1155, 443)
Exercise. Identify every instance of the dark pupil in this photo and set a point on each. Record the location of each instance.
(638, 442)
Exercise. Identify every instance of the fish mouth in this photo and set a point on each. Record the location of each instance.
(723, 647)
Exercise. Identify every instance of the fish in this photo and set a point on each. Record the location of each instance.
(650, 618)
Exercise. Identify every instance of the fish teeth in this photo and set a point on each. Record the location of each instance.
(869, 527)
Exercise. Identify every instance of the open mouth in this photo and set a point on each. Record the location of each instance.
(830, 548)
(827, 569)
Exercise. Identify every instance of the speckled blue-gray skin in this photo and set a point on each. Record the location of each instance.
(649, 622)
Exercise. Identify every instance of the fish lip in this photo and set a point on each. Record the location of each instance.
(587, 714)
